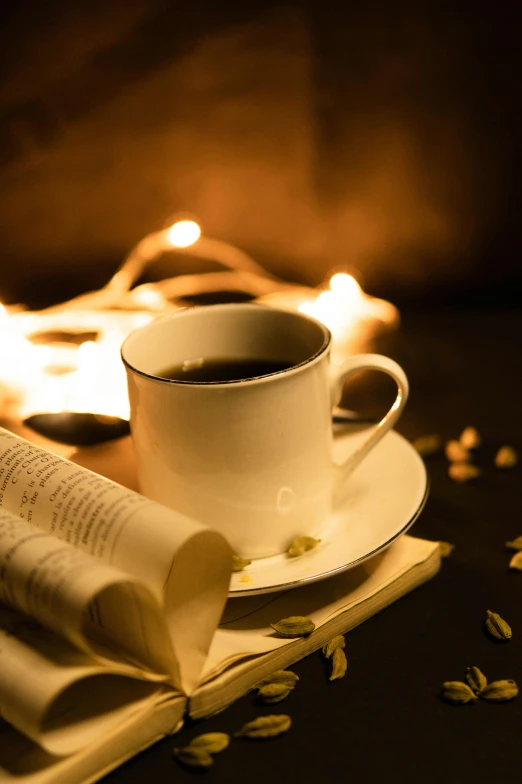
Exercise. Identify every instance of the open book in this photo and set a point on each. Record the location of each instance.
(109, 614)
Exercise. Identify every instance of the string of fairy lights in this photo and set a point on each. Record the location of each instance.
(66, 358)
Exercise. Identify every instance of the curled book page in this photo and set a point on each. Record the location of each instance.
(100, 609)
(57, 695)
(180, 564)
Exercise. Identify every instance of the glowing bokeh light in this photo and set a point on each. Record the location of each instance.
(183, 233)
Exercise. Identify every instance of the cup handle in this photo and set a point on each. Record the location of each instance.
(339, 374)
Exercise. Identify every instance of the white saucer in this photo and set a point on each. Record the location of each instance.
(387, 493)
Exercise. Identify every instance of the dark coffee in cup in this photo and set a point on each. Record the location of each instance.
(221, 369)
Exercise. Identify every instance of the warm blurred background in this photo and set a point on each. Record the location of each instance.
(382, 138)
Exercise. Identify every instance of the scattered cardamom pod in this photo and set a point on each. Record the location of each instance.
(238, 563)
(515, 544)
(476, 679)
(500, 691)
(506, 457)
(497, 626)
(274, 692)
(457, 692)
(212, 742)
(286, 677)
(427, 445)
(294, 626)
(265, 727)
(516, 562)
(456, 453)
(336, 642)
(445, 549)
(301, 544)
(339, 664)
(469, 438)
(463, 472)
(194, 757)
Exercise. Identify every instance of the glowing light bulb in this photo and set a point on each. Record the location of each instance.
(183, 233)
(147, 297)
(345, 285)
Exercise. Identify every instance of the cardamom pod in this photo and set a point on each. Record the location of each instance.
(457, 692)
(516, 562)
(456, 453)
(500, 691)
(274, 692)
(339, 664)
(469, 438)
(476, 679)
(463, 472)
(515, 544)
(194, 757)
(212, 742)
(336, 642)
(265, 727)
(301, 544)
(445, 549)
(294, 626)
(427, 445)
(506, 457)
(270, 690)
(497, 626)
(287, 677)
(238, 563)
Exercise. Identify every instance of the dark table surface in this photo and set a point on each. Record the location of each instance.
(385, 721)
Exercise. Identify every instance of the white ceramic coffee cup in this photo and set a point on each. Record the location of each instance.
(251, 458)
